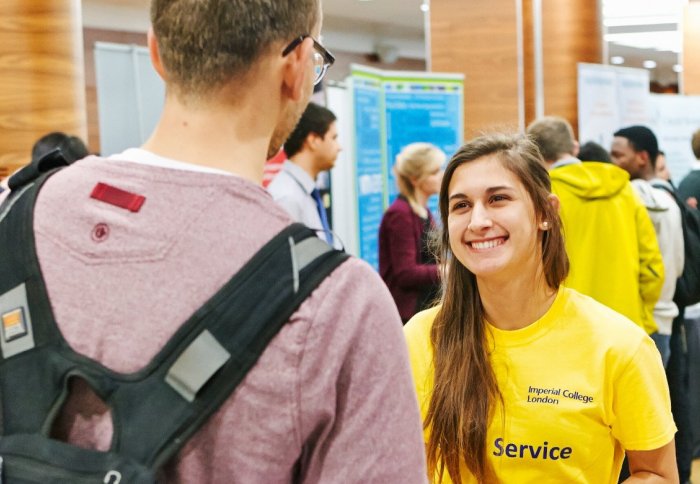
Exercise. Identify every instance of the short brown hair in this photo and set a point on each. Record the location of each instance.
(696, 144)
(204, 43)
(553, 136)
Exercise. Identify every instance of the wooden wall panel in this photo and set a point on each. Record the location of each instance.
(479, 38)
(42, 87)
(571, 33)
(529, 60)
(691, 41)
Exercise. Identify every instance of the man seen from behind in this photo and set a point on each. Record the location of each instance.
(610, 239)
(331, 399)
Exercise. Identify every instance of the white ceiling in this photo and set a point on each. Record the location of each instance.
(636, 30)
(641, 30)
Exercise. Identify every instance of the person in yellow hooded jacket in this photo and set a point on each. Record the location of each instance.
(610, 239)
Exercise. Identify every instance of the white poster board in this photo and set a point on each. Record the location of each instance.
(610, 98)
(343, 190)
(675, 119)
(130, 96)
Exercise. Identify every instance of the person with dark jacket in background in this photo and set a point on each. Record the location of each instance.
(406, 263)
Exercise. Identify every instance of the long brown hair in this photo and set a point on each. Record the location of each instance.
(465, 388)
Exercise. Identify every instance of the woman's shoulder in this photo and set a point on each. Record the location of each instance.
(606, 325)
(418, 328)
(420, 350)
(398, 214)
(421, 322)
(400, 204)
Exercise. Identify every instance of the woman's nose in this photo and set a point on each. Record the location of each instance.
(480, 218)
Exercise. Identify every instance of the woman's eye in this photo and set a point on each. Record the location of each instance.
(499, 198)
(459, 206)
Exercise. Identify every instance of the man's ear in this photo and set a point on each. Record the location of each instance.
(296, 69)
(312, 141)
(643, 157)
(154, 52)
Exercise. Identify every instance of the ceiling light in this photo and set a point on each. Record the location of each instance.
(660, 41)
(649, 64)
(617, 59)
(425, 7)
(677, 68)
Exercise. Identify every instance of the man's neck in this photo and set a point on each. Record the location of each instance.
(567, 159)
(216, 135)
(643, 175)
(306, 162)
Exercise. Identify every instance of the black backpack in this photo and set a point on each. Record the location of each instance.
(688, 284)
(158, 408)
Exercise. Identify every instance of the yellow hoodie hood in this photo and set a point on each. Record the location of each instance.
(591, 180)
(610, 239)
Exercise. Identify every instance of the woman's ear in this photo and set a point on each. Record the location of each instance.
(154, 52)
(554, 201)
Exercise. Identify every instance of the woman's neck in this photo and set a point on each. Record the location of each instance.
(517, 303)
(418, 203)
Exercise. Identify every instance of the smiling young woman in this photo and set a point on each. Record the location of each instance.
(519, 378)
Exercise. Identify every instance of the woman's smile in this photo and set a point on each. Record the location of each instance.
(487, 244)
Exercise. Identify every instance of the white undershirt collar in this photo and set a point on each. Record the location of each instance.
(144, 157)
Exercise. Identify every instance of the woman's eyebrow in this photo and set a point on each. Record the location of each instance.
(499, 188)
(489, 191)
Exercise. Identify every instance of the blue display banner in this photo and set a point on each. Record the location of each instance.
(369, 176)
(421, 110)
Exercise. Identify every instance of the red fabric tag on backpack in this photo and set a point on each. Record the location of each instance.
(117, 197)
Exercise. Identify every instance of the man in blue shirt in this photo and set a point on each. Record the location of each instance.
(311, 148)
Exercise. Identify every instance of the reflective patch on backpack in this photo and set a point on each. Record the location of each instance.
(16, 334)
(13, 325)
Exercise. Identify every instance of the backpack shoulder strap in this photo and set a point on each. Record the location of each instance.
(20, 275)
(211, 353)
(50, 161)
(664, 187)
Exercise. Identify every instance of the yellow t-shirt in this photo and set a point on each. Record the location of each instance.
(579, 385)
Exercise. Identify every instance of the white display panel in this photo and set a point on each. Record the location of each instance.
(610, 98)
(675, 119)
(130, 96)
